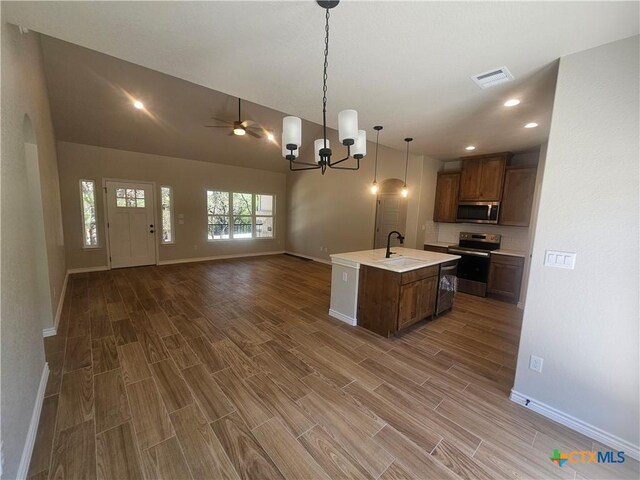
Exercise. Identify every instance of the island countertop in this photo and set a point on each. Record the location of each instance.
(376, 258)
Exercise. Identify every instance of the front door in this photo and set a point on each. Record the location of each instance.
(391, 215)
(131, 224)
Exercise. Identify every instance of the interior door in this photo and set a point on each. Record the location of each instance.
(391, 215)
(131, 225)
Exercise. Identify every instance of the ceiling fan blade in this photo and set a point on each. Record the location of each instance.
(222, 120)
(231, 134)
(253, 134)
(217, 126)
(248, 123)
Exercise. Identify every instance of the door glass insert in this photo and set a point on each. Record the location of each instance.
(130, 198)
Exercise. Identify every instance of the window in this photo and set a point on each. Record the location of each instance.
(129, 198)
(166, 203)
(88, 206)
(218, 215)
(239, 215)
(264, 216)
(242, 215)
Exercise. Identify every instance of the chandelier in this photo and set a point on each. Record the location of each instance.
(355, 140)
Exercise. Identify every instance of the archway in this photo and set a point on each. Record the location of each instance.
(391, 211)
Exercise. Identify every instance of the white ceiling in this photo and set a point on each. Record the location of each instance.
(405, 65)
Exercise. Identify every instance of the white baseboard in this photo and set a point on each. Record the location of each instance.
(51, 331)
(30, 441)
(218, 257)
(576, 424)
(343, 317)
(88, 269)
(315, 259)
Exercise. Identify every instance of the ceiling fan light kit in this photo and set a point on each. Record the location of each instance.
(355, 140)
(239, 127)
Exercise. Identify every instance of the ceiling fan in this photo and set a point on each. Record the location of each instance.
(239, 127)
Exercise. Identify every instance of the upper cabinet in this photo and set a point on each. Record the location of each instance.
(482, 177)
(517, 198)
(446, 203)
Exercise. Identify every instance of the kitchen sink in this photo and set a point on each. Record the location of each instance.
(403, 262)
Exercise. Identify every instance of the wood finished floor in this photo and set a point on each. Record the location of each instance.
(233, 369)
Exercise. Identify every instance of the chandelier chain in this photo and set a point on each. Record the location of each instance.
(324, 79)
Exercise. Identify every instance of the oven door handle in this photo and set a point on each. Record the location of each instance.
(467, 252)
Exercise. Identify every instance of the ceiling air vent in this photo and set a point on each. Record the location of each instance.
(493, 77)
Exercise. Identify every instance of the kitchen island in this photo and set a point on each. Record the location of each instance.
(382, 294)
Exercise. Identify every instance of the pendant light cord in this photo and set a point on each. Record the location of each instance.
(324, 79)
(375, 171)
(406, 166)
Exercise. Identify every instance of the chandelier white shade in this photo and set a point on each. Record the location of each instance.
(348, 126)
(360, 147)
(292, 132)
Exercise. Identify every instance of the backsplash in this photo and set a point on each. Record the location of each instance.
(513, 238)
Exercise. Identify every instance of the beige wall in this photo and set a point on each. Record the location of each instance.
(336, 211)
(189, 178)
(584, 322)
(24, 92)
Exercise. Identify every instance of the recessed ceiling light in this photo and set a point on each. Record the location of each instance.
(270, 137)
(531, 125)
(138, 104)
(512, 102)
(470, 147)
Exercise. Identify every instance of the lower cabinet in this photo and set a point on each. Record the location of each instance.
(389, 301)
(417, 301)
(505, 276)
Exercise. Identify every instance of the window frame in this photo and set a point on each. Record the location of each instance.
(171, 217)
(95, 213)
(232, 217)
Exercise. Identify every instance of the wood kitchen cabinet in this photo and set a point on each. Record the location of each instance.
(447, 191)
(390, 301)
(482, 177)
(505, 276)
(517, 196)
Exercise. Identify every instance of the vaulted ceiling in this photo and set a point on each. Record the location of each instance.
(404, 65)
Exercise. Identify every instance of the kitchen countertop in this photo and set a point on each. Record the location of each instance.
(376, 258)
(440, 244)
(513, 253)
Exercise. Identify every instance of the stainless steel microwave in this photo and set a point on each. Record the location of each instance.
(478, 212)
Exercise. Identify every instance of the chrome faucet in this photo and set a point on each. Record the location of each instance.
(400, 237)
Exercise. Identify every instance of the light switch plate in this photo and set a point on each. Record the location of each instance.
(558, 259)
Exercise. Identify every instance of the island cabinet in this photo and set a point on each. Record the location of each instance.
(482, 177)
(446, 203)
(505, 276)
(390, 301)
(517, 197)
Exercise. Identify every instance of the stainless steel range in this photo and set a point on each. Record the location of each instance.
(473, 268)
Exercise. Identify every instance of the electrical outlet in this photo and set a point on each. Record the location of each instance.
(535, 363)
(345, 277)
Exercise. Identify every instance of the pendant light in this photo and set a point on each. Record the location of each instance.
(374, 185)
(405, 191)
(355, 140)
